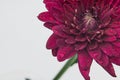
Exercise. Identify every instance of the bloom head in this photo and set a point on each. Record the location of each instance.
(88, 28)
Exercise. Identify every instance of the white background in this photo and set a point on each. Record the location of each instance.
(22, 46)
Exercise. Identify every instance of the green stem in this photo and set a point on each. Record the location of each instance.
(69, 63)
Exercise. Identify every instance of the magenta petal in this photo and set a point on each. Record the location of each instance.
(110, 38)
(116, 51)
(46, 17)
(56, 11)
(116, 43)
(115, 60)
(104, 61)
(110, 32)
(74, 31)
(54, 51)
(80, 38)
(95, 54)
(70, 40)
(80, 46)
(84, 59)
(58, 31)
(68, 8)
(107, 49)
(110, 70)
(46, 1)
(115, 24)
(84, 62)
(106, 64)
(51, 5)
(60, 42)
(118, 32)
(65, 53)
(51, 43)
(58, 16)
(93, 45)
(85, 73)
(66, 30)
(68, 12)
(49, 25)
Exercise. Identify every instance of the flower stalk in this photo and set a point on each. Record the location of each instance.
(68, 64)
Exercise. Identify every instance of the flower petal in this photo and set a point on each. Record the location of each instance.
(68, 8)
(110, 32)
(69, 11)
(85, 73)
(54, 51)
(51, 43)
(92, 45)
(74, 31)
(115, 60)
(115, 24)
(60, 42)
(51, 5)
(70, 40)
(106, 64)
(56, 11)
(116, 51)
(104, 61)
(59, 31)
(107, 48)
(65, 53)
(110, 70)
(84, 62)
(109, 38)
(45, 17)
(46, 1)
(80, 46)
(66, 30)
(58, 15)
(118, 32)
(116, 43)
(49, 25)
(96, 54)
(80, 38)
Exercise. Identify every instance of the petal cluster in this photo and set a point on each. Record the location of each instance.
(88, 28)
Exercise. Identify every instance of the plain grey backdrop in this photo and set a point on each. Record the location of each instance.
(22, 46)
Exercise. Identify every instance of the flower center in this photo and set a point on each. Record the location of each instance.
(89, 22)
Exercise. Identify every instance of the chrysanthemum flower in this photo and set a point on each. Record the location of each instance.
(88, 28)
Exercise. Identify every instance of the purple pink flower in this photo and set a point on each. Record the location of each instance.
(88, 28)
